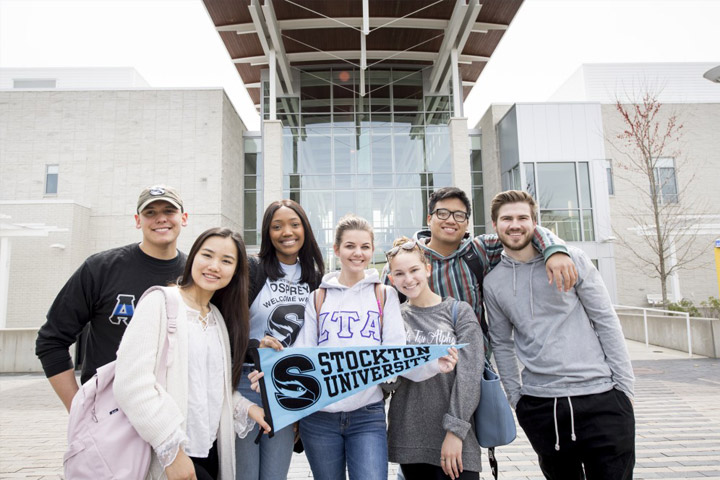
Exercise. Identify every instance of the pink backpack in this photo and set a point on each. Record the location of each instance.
(102, 444)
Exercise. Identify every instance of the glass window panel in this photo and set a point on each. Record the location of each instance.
(363, 181)
(288, 105)
(345, 202)
(364, 153)
(316, 182)
(437, 149)
(475, 142)
(408, 209)
(344, 149)
(408, 119)
(408, 153)
(476, 161)
(251, 237)
(344, 181)
(588, 227)
(343, 121)
(314, 154)
(253, 145)
(51, 179)
(584, 174)
(381, 119)
(319, 207)
(409, 180)
(383, 180)
(317, 124)
(563, 223)
(437, 118)
(381, 146)
(289, 120)
(250, 163)
(250, 182)
(294, 181)
(477, 179)
(609, 172)
(530, 179)
(478, 209)
(250, 209)
(442, 180)
(437, 103)
(558, 186)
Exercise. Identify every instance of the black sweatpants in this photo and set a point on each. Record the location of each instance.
(426, 471)
(604, 426)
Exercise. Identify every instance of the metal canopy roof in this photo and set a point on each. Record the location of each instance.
(363, 34)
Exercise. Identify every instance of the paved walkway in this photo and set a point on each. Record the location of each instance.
(677, 410)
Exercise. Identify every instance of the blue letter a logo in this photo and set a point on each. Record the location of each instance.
(124, 309)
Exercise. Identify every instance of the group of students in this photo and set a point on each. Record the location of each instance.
(203, 421)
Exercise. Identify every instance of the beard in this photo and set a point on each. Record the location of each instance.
(504, 239)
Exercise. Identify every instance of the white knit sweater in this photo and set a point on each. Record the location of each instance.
(157, 412)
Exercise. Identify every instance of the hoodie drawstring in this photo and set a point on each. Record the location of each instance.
(572, 423)
(514, 280)
(532, 310)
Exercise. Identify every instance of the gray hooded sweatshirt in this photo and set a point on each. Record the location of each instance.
(569, 343)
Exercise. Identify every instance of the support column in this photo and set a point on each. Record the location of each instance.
(460, 151)
(272, 161)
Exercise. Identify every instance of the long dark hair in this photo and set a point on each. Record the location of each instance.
(231, 300)
(311, 260)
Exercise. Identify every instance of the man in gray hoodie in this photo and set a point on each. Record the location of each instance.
(574, 400)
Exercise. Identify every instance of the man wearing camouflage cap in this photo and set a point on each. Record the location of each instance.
(104, 291)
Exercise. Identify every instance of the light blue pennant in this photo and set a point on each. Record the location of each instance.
(300, 381)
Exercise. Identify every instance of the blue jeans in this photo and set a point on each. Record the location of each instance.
(354, 439)
(268, 460)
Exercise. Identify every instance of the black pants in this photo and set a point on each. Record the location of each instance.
(426, 471)
(604, 429)
(207, 468)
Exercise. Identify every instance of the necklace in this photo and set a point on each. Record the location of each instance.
(194, 304)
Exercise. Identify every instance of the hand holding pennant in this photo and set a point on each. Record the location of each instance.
(301, 381)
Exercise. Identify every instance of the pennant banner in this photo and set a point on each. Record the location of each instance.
(300, 381)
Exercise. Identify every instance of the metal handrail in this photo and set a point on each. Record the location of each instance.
(672, 312)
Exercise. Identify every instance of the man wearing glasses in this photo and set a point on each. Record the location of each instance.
(460, 262)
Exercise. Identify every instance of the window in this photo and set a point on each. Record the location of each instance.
(252, 202)
(51, 179)
(564, 197)
(609, 171)
(665, 181)
(478, 202)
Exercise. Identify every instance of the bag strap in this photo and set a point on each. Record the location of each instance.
(171, 310)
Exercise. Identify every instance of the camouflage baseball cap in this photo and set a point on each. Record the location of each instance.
(156, 193)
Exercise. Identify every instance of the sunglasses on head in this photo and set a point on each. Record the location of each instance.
(409, 245)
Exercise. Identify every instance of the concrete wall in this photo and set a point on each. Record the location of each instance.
(17, 350)
(109, 145)
(671, 332)
(697, 171)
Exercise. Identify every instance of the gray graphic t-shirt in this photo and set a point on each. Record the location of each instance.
(279, 309)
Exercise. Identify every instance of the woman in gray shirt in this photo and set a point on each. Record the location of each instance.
(431, 433)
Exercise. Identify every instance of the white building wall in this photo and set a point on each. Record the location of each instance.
(608, 82)
(91, 78)
(572, 133)
(109, 145)
(698, 174)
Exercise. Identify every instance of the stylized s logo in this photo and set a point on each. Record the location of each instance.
(296, 391)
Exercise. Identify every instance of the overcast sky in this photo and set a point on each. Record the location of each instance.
(172, 43)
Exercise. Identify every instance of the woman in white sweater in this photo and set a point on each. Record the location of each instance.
(187, 415)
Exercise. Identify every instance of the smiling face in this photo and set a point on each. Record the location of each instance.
(214, 265)
(160, 223)
(515, 226)
(354, 251)
(447, 233)
(409, 273)
(286, 234)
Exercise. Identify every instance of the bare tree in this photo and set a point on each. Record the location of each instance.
(664, 227)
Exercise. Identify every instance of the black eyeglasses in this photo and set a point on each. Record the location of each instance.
(409, 245)
(444, 214)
